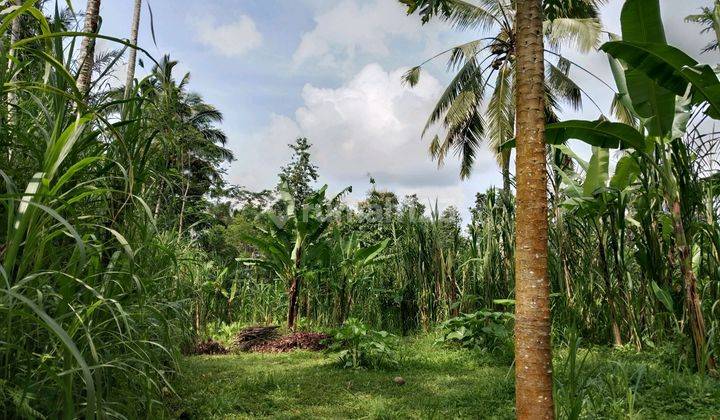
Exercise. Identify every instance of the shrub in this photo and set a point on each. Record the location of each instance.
(491, 331)
(223, 332)
(357, 346)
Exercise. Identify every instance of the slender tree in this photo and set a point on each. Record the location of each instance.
(132, 57)
(300, 173)
(87, 48)
(15, 34)
(533, 354)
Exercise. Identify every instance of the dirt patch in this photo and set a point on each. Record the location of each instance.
(295, 341)
(250, 337)
(208, 346)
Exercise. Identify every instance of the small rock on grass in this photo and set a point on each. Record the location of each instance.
(399, 380)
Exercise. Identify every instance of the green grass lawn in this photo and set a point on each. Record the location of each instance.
(440, 383)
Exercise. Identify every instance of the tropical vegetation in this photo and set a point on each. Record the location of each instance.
(593, 276)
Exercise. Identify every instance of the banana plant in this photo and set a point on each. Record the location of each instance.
(349, 259)
(663, 84)
(286, 240)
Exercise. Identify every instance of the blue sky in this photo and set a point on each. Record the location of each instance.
(330, 70)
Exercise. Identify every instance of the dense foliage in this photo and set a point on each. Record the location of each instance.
(121, 245)
(95, 264)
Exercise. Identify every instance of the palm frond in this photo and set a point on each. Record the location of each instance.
(581, 33)
(500, 112)
(560, 83)
(459, 13)
(576, 9)
(621, 112)
(464, 139)
(412, 76)
(469, 78)
(460, 54)
(710, 21)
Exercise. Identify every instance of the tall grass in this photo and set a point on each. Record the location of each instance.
(93, 298)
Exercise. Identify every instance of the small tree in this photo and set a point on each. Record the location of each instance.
(297, 176)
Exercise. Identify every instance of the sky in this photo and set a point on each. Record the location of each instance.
(330, 70)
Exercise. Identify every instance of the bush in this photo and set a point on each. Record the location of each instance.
(491, 331)
(223, 332)
(357, 346)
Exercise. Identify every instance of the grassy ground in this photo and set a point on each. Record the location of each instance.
(440, 383)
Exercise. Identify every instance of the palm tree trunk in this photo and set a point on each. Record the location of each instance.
(533, 354)
(182, 208)
(12, 96)
(132, 57)
(87, 48)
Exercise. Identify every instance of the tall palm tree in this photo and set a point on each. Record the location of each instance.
(87, 48)
(489, 63)
(519, 57)
(133, 52)
(186, 128)
(533, 354)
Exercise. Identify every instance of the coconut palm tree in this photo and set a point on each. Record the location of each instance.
(87, 48)
(533, 354)
(489, 63)
(518, 56)
(193, 148)
(133, 52)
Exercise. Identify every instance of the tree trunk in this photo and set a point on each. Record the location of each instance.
(506, 172)
(197, 316)
(12, 96)
(132, 57)
(609, 292)
(693, 305)
(453, 304)
(87, 48)
(533, 354)
(182, 208)
(692, 298)
(292, 304)
(342, 302)
(294, 289)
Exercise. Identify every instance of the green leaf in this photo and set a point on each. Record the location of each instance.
(683, 112)
(51, 325)
(597, 173)
(504, 302)
(626, 170)
(641, 22)
(605, 134)
(664, 297)
(669, 67)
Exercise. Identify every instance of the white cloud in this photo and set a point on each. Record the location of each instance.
(369, 125)
(232, 39)
(351, 27)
